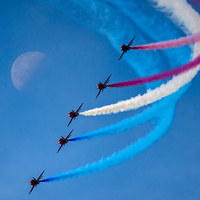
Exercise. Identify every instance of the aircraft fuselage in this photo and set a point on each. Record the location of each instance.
(124, 48)
(34, 182)
(62, 141)
(73, 114)
(101, 86)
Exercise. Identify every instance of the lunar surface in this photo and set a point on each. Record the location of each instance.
(24, 67)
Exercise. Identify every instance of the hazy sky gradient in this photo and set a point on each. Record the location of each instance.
(77, 57)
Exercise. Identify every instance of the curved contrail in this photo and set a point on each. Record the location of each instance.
(144, 15)
(151, 96)
(169, 44)
(116, 158)
(138, 119)
(160, 76)
(164, 122)
(183, 10)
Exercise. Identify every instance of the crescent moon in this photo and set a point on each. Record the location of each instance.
(24, 67)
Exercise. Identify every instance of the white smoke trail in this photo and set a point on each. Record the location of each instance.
(121, 156)
(191, 20)
(188, 16)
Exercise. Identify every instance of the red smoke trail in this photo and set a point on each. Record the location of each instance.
(171, 43)
(159, 76)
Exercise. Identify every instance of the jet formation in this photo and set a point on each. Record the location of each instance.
(73, 114)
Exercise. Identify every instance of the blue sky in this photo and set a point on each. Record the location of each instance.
(78, 55)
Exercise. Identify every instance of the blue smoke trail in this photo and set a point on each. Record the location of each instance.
(111, 21)
(116, 27)
(117, 21)
(149, 21)
(139, 119)
(123, 155)
(146, 25)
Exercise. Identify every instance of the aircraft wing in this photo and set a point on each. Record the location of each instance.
(59, 148)
(130, 42)
(107, 80)
(40, 176)
(69, 135)
(121, 56)
(98, 93)
(31, 189)
(70, 122)
(79, 108)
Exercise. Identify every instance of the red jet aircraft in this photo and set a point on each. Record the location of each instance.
(102, 86)
(34, 182)
(73, 114)
(62, 141)
(125, 48)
